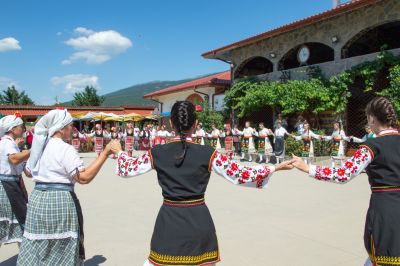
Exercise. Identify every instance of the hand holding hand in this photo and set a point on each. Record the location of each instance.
(300, 164)
(19, 142)
(287, 165)
(115, 146)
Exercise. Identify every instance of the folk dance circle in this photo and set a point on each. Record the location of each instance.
(49, 224)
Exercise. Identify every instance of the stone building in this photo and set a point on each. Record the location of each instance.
(334, 41)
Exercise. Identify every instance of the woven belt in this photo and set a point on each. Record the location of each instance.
(385, 189)
(9, 177)
(54, 187)
(184, 203)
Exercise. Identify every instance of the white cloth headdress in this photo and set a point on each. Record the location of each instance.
(49, 124)
(9, 122)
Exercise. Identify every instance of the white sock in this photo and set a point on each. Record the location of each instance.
(242, 155)
(261, 157)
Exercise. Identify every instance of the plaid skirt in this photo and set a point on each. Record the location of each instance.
(51, 234)
(10, 229)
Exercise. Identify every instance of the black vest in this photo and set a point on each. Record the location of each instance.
(189, 181)
(384, 169)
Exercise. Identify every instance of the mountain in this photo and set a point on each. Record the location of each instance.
(133, 95)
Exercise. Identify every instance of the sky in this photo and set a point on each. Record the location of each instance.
(53, 48)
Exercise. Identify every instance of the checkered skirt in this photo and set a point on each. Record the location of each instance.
(51, 234)
(10, 230)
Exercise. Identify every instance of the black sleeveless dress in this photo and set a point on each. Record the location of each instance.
(184, 233)
(382, 227)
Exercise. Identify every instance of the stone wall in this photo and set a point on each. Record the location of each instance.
(345, 27)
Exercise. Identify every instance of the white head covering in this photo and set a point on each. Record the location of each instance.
(9, 122)
(47, 126)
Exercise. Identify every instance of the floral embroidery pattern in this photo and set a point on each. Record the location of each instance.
(351, 168)
(128, 166)
(240, 174)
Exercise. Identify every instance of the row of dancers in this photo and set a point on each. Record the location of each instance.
(50, 227)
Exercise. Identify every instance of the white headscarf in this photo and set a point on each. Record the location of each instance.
(9, 122)
(47, 126)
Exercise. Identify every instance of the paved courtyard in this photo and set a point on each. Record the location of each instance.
(295, 221)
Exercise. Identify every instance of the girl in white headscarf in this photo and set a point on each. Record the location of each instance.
(13, 197)
(54, 225)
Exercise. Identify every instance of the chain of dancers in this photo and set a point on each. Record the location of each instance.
(48, 225)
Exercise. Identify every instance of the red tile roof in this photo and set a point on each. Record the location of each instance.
(223, 78)
(341, 9)
(39, 110)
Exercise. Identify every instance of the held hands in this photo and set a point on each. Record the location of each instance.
(19, 142)
(300, 164)
(115, 146)
(287, 165)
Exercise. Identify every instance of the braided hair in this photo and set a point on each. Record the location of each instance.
(382, 109)
(183, 117)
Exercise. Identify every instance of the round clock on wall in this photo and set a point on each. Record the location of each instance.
(303, 55)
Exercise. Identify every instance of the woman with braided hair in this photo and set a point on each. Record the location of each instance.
(184, 233)
(380, 157)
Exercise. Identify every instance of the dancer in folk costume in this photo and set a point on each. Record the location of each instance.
(54, 223)
(76, 139)
(115, 135)
(236, 140)
(13, 196)
(163, 134)
(199, 135)
(136, 138)
(184, 233)
(264, 145)
(157, 139)
(228, 142)
(308, 146)
(145, 136)
(369, 135)
(338, 138)
(248, 146)
(279, 141)
(129, 137)
(214, 136)
(380, 157)
(153, 135)
(98, 136)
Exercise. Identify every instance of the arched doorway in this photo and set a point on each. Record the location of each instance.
(254, 66)
(317, 53)
(372, 40)
(195, 98)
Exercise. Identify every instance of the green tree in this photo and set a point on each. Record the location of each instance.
(12, 96)
(392, 92)
(88, 97)
(209, 117)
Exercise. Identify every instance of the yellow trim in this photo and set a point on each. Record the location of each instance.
(386, 187)
(184, 201)
(156, 257)
(368, 148)
(211, 160)
(151, 159)
(383, 260)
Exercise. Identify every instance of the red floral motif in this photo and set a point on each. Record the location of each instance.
(348, 164)
(327, 171)
(224, 158)
(245, 175)
(234, 167)
(341, 172)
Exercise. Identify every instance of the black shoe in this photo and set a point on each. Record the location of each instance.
(242, 160)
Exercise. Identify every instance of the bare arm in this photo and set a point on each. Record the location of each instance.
(19, 157)
(87, 175)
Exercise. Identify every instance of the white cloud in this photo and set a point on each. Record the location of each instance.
(75, 82)
(96, 47)
(9, 44)
(6, 82)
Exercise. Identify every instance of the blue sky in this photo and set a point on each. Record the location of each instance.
(53, 48)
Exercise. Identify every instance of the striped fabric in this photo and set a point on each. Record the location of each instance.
(10, 230)
(51, 230)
